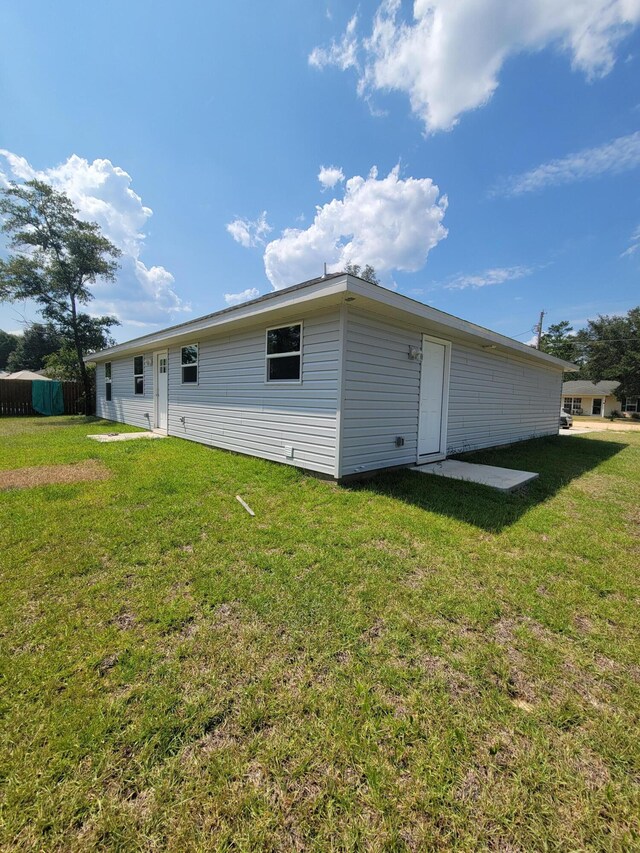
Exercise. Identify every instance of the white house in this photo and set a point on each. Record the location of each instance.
(583, 397)
(334, 375)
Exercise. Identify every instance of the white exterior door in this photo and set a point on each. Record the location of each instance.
(162, 389)
(434, 396)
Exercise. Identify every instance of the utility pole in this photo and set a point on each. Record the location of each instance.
(539, 329)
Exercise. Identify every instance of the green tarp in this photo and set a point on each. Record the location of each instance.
(46, 397)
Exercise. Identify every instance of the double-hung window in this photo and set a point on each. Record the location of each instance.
(138, 374)
(284, 353)
(630, 404)
(189, 364)
(573, 405)
(107, 381)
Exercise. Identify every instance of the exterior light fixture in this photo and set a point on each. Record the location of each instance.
(148, 361)
(415, 354)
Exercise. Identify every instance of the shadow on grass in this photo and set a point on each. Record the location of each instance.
(558, 460)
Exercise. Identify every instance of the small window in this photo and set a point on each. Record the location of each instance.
(284, 353)
(138, 374)
(107, 381)
(190, 365)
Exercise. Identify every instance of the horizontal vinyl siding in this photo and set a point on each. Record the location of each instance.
(493, 398)
(234, 408)
(125, 406)
(381, 393)
(496, 399)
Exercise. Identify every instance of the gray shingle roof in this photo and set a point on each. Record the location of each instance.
(586, 388)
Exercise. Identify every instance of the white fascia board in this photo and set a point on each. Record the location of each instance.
(408, 306)
(255, 309)
(297, 297)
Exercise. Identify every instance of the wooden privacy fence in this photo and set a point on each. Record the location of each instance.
(15, 397)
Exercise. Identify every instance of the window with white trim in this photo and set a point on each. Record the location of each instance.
(630, 404)
(573, 405)
(107, 381)
(138, 374)
(284, 353)
(189, 364)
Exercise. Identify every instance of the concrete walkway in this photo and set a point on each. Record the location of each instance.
(125, 436)
(503, 479)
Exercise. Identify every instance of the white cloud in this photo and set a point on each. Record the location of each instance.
(390, 223)
(496, 275)
(634, 245)
(102, 193)
(619, 155)
(250, 232)
(449, 57)
(342, 53)
(239, 298)
(329, 176)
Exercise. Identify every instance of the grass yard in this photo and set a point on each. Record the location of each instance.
(406, 664)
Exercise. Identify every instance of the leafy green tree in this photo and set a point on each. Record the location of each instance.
(611, 347)
(38, 341)
(63, 363)
(559, 340)
(368, 273)
(8, 343)
(57, 256)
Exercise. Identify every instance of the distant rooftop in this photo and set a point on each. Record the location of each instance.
(586, 388)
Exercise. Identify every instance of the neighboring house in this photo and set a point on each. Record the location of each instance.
(583, 397)
(28, 374)
(335, 375)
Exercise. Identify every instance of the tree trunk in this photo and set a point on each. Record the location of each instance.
(86, 381)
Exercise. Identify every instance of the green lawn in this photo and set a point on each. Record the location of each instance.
(405, 664)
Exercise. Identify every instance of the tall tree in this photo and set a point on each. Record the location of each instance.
(8, 343)
(368, 273)
(37, 342)
(57, 256)
(63, 363)
(560, 340)
(611, 348)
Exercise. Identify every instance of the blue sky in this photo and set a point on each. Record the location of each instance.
(483, 155)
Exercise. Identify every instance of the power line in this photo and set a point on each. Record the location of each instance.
(603, 341)
(526, 332)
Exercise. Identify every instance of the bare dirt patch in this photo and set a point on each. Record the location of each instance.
(124, 620)
(457, 682)
(48, 475)
(520, 685)
(592, 769)
(374, 632)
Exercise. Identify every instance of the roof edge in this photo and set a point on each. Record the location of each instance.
(198, 324)
(331, 284)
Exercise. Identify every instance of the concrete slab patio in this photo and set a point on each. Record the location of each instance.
(124, 436)
(503, 479)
